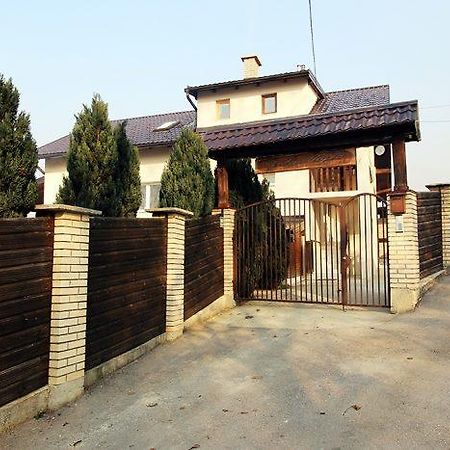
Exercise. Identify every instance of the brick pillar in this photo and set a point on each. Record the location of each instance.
(176, 219)
(228, 253)
(444, 189)
(69, 300)
(404, 269)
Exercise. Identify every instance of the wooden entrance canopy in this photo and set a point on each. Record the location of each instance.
(392, 124)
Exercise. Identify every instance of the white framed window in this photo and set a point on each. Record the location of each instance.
(150, 195)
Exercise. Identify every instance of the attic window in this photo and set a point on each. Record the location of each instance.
(223, 108)
(167, 125)
(269, 103)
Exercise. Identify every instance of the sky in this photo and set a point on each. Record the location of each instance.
(140, 55)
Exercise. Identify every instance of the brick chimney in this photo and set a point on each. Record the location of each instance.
(251, 66)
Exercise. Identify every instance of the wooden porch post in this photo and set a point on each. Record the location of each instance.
(222, 185)
(400, 172)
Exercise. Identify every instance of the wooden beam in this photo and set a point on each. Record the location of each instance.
(222, 185)
(306, 160)
(400, 172)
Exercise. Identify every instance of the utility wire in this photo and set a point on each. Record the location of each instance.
(312, 37)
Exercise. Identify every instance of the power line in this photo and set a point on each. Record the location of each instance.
(312, 37)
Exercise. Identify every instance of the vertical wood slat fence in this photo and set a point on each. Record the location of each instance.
(26, 254)
(126, 285)
(204, 264)
(429, 223)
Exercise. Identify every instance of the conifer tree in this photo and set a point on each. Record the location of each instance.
(18, 155)
(91, 162)
(244, 186)
(187, 181)
(128, 181)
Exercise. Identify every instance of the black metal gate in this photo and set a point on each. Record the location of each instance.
(313, 251)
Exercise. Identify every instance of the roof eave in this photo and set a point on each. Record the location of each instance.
(194, 90)
(139, 146)
(413, 103)
(384, 134)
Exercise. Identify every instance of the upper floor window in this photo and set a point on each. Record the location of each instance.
(269, 103)
(223, 108)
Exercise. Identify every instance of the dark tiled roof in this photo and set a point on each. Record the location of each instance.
(351, 99)
(194, 90)
(310, 126)
(140, 130)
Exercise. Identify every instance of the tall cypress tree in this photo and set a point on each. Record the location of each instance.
(18, 155)
(91, 162)
(187, 181)
(244, 186)
(127, 177)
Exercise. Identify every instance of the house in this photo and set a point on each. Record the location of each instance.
(333, 160)
(306, 142)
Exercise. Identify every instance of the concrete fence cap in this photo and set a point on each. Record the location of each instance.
(158, 212)
(438, 186)
(59, 207)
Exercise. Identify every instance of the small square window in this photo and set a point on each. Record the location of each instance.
(269, 103)
(223, 109)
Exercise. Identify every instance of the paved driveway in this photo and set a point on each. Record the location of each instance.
(282, 377)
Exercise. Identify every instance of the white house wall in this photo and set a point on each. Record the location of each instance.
(152, 165)
(55, 168)
(294, 97)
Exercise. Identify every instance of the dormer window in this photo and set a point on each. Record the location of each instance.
(223, 108)
(269, 103)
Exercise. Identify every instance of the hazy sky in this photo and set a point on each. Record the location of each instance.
(140, 55)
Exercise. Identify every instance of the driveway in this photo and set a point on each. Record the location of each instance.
(273, 376)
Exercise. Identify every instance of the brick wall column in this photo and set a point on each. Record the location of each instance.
(404, 269)
(228, 253)
(69, 300)
(176, 219)
(444, 189)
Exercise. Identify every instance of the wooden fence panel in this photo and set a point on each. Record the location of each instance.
(126, 285)
(203, 266)
(429, 220)
(26, 259)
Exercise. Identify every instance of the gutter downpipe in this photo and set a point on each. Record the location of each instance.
(190, 100)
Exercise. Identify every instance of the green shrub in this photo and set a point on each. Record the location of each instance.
(102, 165)
(187, 181)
